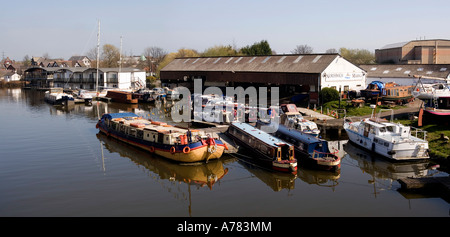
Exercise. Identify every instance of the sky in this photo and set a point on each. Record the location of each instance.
(62, 29)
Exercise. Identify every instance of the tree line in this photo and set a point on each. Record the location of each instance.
(154, 58)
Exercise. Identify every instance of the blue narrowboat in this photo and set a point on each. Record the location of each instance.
(309, 150)
(274, 152)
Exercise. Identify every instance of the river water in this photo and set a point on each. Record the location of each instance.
(54, 163)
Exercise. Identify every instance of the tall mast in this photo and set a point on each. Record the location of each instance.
(98, 55)
(120, 56)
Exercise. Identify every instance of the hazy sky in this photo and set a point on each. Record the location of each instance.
(65, 28)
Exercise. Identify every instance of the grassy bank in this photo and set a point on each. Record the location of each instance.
(12, 84)
(352, 110)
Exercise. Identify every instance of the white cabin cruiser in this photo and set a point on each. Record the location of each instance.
(293, 119)
(392, 140)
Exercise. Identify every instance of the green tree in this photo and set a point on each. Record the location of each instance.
(220, 51)
(259, 48)
(358, 56)
(328, 94)
(179, 54)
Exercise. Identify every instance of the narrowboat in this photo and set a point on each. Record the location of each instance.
(273, 152)
(174, 143)
(391, 140)
(309, 150)
(122, 97)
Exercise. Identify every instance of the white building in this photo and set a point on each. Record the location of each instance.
(86, 78)
(11, 76)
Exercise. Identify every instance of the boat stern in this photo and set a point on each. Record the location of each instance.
(289, 166)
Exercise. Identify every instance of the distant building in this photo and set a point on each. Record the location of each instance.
(297, 76)
(433, 51)
(80, 61)
(85, 78)
(9, 76)
(404, 74)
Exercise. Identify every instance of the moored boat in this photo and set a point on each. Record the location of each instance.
(273, 152)
(121, 97)
(291, 118)
(391, 140)
(309, 149)
(56, 96)
(174, 143)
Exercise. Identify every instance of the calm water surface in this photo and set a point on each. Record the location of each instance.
(54, 163)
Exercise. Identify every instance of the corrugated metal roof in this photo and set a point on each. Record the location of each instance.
(404, 70)
(306, 63)
(395, 45)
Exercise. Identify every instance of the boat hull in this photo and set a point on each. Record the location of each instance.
(196, 152)
(396, 151)
(283, 166)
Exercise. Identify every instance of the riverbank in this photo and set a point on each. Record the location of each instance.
(12, 84)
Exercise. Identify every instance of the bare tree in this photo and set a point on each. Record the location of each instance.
(154, 56)
(110, 56)
(302, 49)
(331, 51)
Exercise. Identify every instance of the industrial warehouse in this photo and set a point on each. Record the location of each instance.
(300, 76)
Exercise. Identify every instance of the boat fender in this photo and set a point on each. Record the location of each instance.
(96, 126)
(186, 150)
(151, 149)
(172, 150)
(226, 147)
(391, 152)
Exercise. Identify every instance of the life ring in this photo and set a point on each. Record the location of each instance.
(151, 149)
(172, 150)
(186, 149)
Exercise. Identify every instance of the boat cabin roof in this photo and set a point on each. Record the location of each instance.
(379, 123)
(131, 118)
(297, 135)
(259, 134)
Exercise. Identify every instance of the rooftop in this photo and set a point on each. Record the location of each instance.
(305, 63)
(407, 70)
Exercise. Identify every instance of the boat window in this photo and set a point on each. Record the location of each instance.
(382, 129)
(390, 128)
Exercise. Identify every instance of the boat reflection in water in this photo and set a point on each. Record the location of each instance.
(200, 174)
(277, 181)
(385, 172)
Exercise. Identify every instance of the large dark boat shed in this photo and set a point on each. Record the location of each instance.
(301, 75)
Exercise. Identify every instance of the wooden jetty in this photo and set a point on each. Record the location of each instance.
(439, 185)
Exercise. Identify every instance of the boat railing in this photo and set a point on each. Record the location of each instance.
(417, 131)
(320, 154)
(382, 110)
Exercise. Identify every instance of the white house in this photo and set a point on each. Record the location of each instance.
(11, 76)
